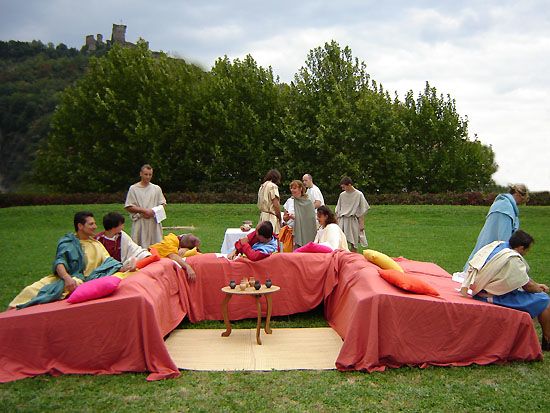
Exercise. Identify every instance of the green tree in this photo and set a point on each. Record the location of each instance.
(130, 108)
(319, 123)
(240, 121)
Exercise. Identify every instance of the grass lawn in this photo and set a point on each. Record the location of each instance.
(441, 234)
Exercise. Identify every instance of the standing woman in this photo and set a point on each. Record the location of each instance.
(329, 233)
(503, 218)
(305, 223)
(269, 202)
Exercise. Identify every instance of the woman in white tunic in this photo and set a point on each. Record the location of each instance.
(330, 234)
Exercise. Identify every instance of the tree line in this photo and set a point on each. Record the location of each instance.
(222, 129)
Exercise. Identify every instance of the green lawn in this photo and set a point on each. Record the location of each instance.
(442, 234)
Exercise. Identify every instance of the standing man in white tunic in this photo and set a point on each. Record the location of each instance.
(141, 199)
(350, 211)
(313, 191)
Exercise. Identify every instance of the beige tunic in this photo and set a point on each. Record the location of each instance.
(333, 237)
(145, 231)
(505, 272)
(266, 194)
(351, 206)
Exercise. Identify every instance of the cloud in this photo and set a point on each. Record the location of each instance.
(492, 57)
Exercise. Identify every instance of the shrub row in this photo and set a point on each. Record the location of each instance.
(406, 198)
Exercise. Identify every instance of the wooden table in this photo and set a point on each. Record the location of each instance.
(257, 294)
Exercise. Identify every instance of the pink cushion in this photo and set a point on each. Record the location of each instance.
(313, 247)
(100, 287)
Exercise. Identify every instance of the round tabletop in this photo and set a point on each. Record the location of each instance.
(250, 290)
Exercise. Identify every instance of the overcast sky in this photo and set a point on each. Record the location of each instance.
(492, 57)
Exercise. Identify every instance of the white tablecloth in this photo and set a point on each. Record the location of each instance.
(232, 235)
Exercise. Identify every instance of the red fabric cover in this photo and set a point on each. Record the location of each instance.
(144, 262)
(120, 333)
(407, 282)
(302, 278)
(90, 290)
(384, 327)
(381, 325)
(313, 247)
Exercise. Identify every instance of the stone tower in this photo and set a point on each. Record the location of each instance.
(119, 34)
(90, 42)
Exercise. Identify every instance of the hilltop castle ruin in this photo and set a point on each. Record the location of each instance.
(118, 36)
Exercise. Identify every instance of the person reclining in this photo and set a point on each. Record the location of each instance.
(257, 245)
(118, 243)
(498, 274)
(175, 247)
(79, 258)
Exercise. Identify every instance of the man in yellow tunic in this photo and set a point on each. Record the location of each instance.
(175, 247)
(79, 258)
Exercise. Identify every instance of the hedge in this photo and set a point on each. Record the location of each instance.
(405, 198)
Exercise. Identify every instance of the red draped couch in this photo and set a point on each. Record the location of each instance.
(381, 325)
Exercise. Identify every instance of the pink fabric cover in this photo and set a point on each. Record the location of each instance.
(313, 247)
(90, 290)
(120, 333)
(385, 327)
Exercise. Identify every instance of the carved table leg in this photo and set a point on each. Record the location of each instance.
(259, 323)
(268, 315)
(227, 331)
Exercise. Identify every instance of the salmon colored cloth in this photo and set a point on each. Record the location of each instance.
(381, 325)
(386, 327)
(120, 333)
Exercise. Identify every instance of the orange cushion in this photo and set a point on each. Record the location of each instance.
(146, 261)
(408, 282)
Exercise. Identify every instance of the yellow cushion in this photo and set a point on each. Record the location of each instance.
(382, 260)
(191, 252)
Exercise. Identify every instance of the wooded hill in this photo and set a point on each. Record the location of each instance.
(222, 129)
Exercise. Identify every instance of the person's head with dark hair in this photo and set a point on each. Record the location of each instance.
(80, 218)
(189, 241)
(346, 184)
(325, 216)
(274, 176)
(112, 220)
(521, 241)
(264, 231)
(346, 180)
(84, 224)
